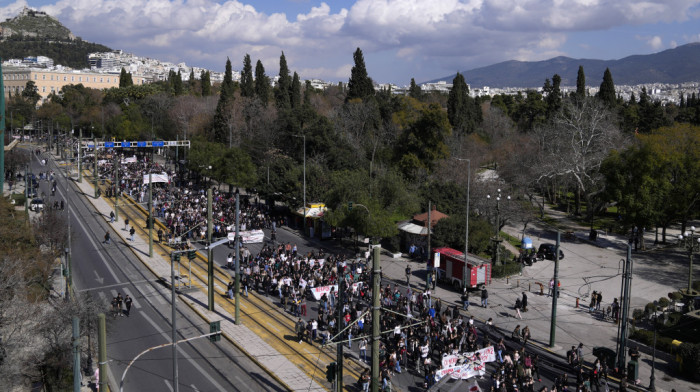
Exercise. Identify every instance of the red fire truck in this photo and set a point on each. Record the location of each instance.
(451, 269)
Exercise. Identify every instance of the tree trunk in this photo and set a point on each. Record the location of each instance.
(578, 200)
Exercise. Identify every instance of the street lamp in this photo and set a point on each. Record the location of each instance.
(652, 386)
(497, 239)
(466, 233)
(691, 243)
(304, 218)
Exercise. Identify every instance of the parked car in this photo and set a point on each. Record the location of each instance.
(546, 251)
(36, 205)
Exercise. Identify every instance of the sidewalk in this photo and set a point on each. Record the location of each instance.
(254, 346)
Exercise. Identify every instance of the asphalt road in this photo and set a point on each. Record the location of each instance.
(103, 270)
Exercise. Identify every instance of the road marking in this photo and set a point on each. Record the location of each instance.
(167, 384)
(103, 297)
(194, 387)
(272, 326)
(135, 303)
(182, 352)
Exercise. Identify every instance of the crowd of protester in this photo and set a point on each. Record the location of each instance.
(424, 329)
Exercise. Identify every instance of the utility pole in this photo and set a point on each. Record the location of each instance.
(626, 289)
(555, 293)
(176, 384)
(80, 147)
(428, 275)
(376, 288)
(102, 350)
(26, 188)
(466, 235)
(237, 278)
(94, 168)
(150, 212)
(2, 131)
(116, 187)
(210, 255)
(76, 354)
(339, 323)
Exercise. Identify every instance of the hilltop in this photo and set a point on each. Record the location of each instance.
(676, 65)
(35, 33)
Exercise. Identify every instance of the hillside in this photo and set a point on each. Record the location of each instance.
(34, 33)
(669, 66)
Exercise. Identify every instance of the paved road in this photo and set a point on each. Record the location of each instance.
(104, 270)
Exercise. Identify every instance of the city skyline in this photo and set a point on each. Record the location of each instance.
(400, 39)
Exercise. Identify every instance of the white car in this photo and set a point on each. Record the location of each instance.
(36, 205)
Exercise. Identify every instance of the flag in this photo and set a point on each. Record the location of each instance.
(475, 387)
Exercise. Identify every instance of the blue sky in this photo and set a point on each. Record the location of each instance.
(400, 39)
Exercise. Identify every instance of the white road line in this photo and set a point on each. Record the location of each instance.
(181, 351)
(194, 387)
(135, 303)
(167, 384)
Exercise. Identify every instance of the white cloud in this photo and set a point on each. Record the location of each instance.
(401, 37)
(655, 42)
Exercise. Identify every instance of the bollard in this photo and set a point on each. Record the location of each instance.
(541, 289)
(577, 299)
(518, 285)
(529, 287)
(507, 279)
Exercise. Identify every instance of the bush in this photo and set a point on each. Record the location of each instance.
(19, 199)
(675, 296)
(647, 338)
(392, 244)
(690, 353)
(649, 308)
(637, 314)
(510, 269)
(664, 302)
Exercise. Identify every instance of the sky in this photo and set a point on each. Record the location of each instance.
(400, 39)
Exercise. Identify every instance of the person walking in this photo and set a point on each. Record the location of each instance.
(128, 302)
(300, 329)
(363, 349)
(524, 302)
(518, 305)
(408, 275)
(579, 355)
(111, 217)
(107, 239)
(131, 233)
(126, 224)
(115, 306)
(120, 301)
(484, 298)
(551, 287)
(465, 299)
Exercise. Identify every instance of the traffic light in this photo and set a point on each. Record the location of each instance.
(191, 254)
(350, 206)
(215, 326)
(330, 372)
(175, 257)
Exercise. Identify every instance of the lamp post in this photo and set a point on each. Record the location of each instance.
(691, 243)
(497, 238)
(304, 218)
(652, 386)
(466, 232)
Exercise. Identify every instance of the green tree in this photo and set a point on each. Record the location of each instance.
(205, 79)
(296, 91)
(31, 93)
(607, 89)
(553, 93)
(308, 89)
(463, 112)
(580, 83)
(234, 167)
(262, 83)
(178, 88)
(284, 85)
(220, 123)
(125, 79)
(247, 85)
(414, 91)
(450, 232)
(192, 83)
(423, 143)
(360, 84)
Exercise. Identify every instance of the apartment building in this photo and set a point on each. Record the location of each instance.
(50, 81)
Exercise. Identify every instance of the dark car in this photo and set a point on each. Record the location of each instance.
(546, 251)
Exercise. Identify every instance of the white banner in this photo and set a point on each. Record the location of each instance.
(464, 366)
(129, 160)
(320, 290)
(156, 177)
(249, 236)
(487, 354)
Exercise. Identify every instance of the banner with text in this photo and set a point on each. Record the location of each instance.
(249, 236)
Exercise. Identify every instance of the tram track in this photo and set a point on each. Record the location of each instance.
(80, 208)
(258, 314)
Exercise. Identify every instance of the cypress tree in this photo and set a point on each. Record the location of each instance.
(414, 91)
(284, 85)
(463, 111)
(219, 123)
(227, 85)
(191, 82)
(307, 93)
(360, 84)
(553, 95)
(177, 83)
(125, 79)
(607, 89)
(205, 79)
(247, 86)
(580, 83)
(296, 91)
(262, 83)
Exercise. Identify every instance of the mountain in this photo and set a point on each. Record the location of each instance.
(34, 33)
(676, 65)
